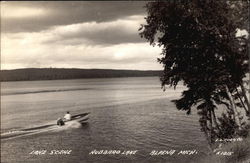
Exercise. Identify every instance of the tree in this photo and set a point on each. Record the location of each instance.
(200, 48)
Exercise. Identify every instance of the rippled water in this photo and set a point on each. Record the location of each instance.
(125, 114)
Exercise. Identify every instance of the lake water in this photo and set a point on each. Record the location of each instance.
(126, 114)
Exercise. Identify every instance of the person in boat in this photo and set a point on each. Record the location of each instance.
(60, 122)
(67, 116)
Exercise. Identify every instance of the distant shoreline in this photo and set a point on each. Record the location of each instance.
(34, 74)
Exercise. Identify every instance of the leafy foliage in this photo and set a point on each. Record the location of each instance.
(200, 48)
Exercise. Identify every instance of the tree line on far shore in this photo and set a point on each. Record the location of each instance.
(61, 73)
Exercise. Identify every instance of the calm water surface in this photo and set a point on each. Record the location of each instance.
(126, 114)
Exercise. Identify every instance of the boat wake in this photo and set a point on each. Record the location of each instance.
(52, 127)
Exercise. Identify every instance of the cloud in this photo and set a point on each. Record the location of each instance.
(30, 52)
(75, 35)
(48, 13)
(114, 32)
(22, 12)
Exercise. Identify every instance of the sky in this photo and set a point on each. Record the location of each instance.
(75, 35)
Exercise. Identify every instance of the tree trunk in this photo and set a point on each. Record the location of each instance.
(245, 96)
(204, 126)
(215, 119)
(208, 136)
(232, 102)
(243, 104)
(211, 126)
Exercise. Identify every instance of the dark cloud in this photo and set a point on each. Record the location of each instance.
(80, 34)
(117, 32)
(114, 37)
(66, 12)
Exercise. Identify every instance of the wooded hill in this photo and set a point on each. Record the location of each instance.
(61, 73)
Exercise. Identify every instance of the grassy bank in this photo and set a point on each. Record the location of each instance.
(240, 153)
